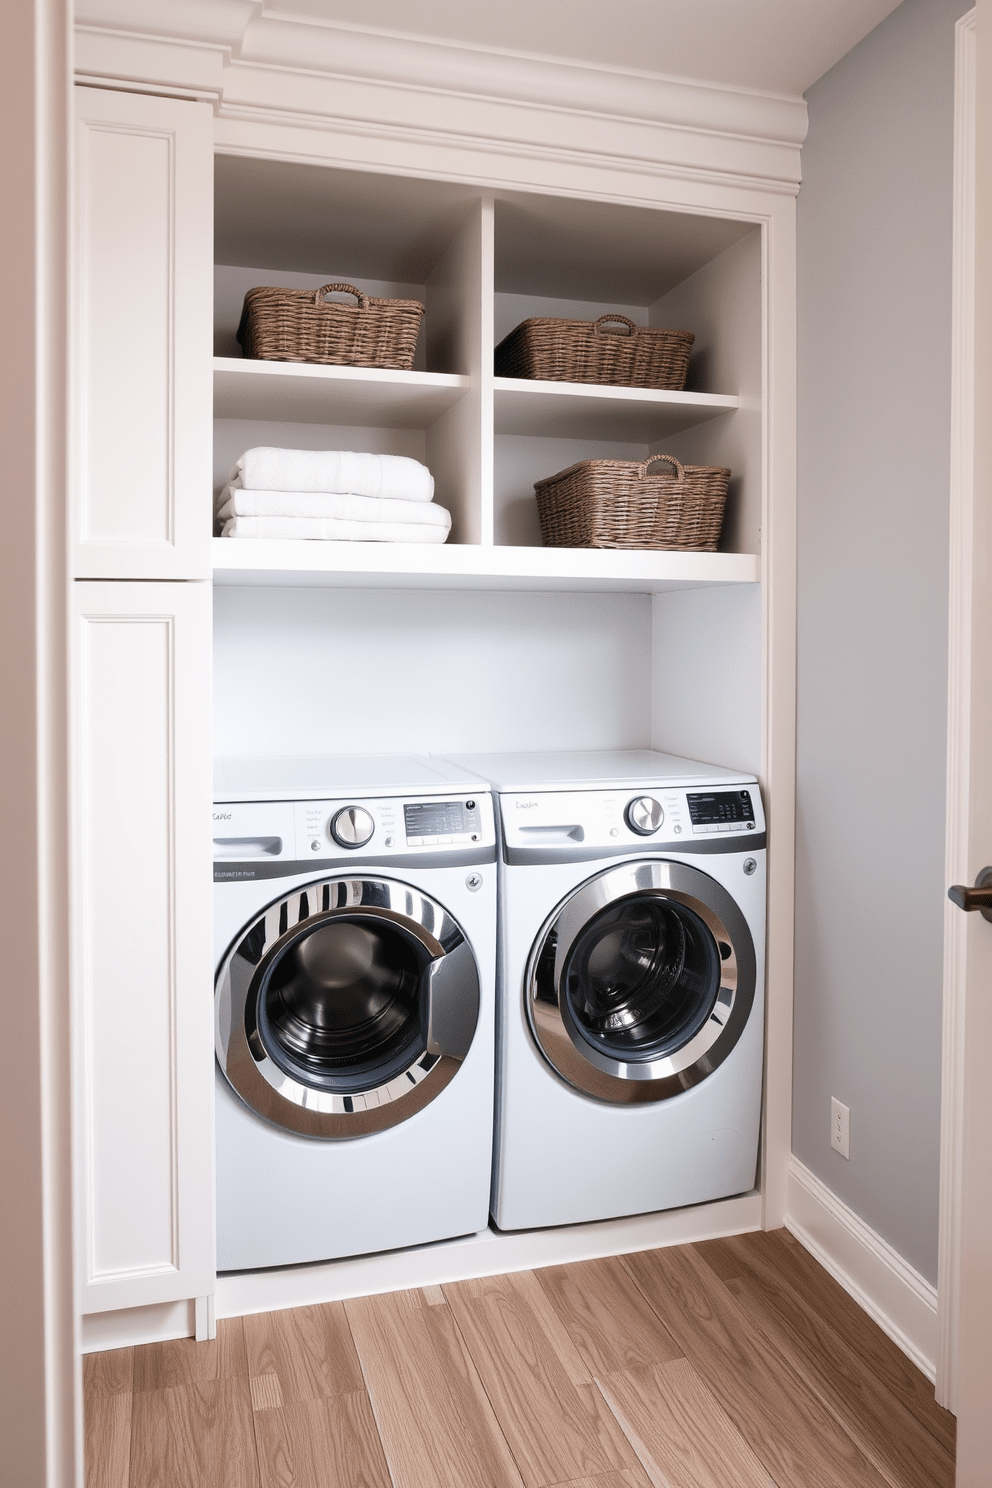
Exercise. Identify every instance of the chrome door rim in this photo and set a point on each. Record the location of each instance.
(633, 1082)
(279, 1097)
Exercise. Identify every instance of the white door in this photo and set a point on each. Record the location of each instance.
(965, 1371)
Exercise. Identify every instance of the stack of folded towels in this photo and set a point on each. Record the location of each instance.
(335, 495)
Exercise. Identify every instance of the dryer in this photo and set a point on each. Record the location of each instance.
(630, 984)
(355, 912)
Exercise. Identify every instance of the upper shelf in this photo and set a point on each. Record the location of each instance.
(303, 393)
(569, 410)
(469, 566)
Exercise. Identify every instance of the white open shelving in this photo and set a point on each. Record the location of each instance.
(481, 266)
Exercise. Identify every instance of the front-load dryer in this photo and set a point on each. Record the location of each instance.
(355, 914)
(631, 973)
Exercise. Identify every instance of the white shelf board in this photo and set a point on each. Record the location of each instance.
(283, 563)
(572, 410)
(302, 393)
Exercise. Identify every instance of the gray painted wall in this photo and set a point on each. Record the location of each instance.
(874, 421)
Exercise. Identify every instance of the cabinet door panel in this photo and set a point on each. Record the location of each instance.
(142, 894)
(143, 295)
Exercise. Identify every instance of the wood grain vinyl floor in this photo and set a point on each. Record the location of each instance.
(732, 1364)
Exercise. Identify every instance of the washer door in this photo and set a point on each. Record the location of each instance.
(641, 982)
(346, 1007)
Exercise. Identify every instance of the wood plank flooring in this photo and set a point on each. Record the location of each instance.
(733, 1364)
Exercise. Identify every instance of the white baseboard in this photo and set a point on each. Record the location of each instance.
(490, 1253)
(901, 1301)
(129, 1325)
(487, 1254)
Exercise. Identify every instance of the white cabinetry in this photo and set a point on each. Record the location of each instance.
(142, 941)
(144, 187)
(141, 701)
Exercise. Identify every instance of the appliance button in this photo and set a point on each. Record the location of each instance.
(644, 815)
(352, 827)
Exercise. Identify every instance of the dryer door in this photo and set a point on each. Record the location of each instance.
(641, 982)
(345, 1007)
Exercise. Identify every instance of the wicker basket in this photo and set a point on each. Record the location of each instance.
(584, 351)
(299, 325)
(624, 504)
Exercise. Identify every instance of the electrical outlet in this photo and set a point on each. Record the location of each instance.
(840, 1128)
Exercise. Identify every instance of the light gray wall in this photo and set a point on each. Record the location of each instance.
(874, 400)
(438, 673)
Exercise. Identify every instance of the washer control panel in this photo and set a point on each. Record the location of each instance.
(655, 815)
(372, 828)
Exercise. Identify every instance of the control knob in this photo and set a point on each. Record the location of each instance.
(644, 815)
(352, 826)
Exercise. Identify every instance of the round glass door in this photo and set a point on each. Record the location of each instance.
(641, 982)
(345, 1007)
(642, 978)
(340, 1001)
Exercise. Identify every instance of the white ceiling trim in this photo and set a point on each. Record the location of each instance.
(250, 63)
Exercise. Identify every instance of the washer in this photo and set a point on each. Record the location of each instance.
(631, 975)
(355, 925)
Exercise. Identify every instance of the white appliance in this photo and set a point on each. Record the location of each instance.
(355, 921)
(630, 984)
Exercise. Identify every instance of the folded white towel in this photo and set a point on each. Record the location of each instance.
(236, 502)
(340, 471)
(331, 529)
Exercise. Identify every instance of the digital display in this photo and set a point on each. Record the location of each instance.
(716, 807)
(440, 819)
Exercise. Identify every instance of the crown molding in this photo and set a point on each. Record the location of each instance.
(252, 64)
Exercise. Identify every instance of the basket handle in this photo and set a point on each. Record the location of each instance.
(677, 465)
(597, 323)
(318, 294)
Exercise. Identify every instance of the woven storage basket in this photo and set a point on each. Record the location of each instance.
(584, 351)
(299, 325)
(625, 504)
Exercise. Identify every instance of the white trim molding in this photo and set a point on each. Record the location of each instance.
(901, 1301)
(490, 1253)
(315, 73)
(962, 481)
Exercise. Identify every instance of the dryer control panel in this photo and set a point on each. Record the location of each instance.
(574, 824)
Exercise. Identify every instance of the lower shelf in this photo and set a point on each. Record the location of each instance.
(463, 566)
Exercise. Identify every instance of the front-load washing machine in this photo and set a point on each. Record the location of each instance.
(355, 916)
(630, 984)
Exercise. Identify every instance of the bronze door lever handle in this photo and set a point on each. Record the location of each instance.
(980, 897)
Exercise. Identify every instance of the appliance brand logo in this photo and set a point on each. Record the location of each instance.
(222, 816)
(524, 805)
